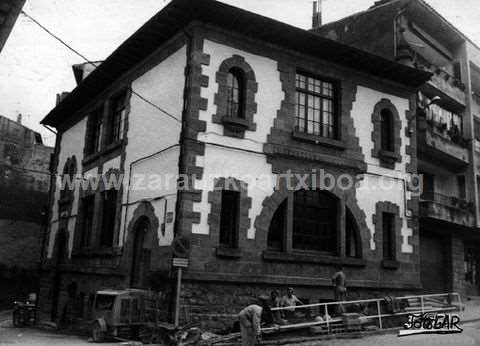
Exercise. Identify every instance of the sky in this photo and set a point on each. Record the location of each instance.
(34, 67)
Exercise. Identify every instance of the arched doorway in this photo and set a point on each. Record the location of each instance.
(140, 254)
(59, 255)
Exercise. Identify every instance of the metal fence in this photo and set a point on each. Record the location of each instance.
(380, 312)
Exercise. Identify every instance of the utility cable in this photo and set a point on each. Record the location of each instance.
(96, 65)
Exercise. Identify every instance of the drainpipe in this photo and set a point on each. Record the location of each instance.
(50, 192)
(47, 213)
(47, 216)
(181, 165)
(186, 93)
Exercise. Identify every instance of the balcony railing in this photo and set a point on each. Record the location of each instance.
(445, 145)
(449, 201)
(447, 208)
(438, 72)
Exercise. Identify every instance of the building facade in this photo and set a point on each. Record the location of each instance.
(413, 33)
(246, 145)
(24, 188)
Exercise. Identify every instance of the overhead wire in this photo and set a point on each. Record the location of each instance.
(143, 98)
(156, 106)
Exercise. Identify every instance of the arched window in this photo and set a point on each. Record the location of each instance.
(352, 242)
(69, 170)
(313, 224)
(387, 137)
(235, 93)
(386, 133)
(315, 221)
(277, 228)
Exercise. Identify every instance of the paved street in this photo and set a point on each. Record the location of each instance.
(34, 337)
(470, 336)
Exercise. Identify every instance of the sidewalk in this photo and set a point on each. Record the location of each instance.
(472, 309)
(5, 315)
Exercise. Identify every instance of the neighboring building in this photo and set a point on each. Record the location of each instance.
(24, 186)
(9, 11)
(253, 98)
(448, 136)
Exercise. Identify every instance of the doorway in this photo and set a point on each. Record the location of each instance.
(59, 258)
(140, 255)
(433, 263)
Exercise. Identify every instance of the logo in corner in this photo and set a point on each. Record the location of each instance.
(431, 323)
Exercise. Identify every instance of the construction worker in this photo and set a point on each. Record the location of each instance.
(275, 302)
(250, 320)
(290, 301)
(339, 288)
(339, 284)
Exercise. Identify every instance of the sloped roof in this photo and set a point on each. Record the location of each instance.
(179, 13)
(9, 10)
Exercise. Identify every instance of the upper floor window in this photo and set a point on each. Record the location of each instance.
(315, 106)
(387, 137)
(94, 136)
(229, 218)
(235, 98)
(235, 93)
(68, 183)
(116, 117)
(386, 133)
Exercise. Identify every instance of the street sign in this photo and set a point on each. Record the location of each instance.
(180, 262)
(181, 247)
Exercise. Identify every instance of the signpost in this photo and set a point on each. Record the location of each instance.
(181, 251)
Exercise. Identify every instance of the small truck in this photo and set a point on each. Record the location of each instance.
(123, 313)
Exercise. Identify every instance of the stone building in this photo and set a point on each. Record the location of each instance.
(448, 130)
(24, 186)
(229, 100)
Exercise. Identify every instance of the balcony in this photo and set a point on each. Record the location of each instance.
(442, 80)
(447, 208)
(440, 146)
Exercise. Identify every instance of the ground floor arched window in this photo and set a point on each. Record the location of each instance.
(314, 221)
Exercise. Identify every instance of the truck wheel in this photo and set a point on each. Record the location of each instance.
(98, 335)
(146, 335)
(16, 319)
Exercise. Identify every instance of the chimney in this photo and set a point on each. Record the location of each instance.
(81, 71)
(19, 118)
(60, 97)
(317, 14)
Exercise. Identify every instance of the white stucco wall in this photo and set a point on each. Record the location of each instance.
(228, 162)
(223, 162)
(150, 131)
(390, 186)
(72, 143)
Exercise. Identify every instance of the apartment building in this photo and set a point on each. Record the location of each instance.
(413, 33)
